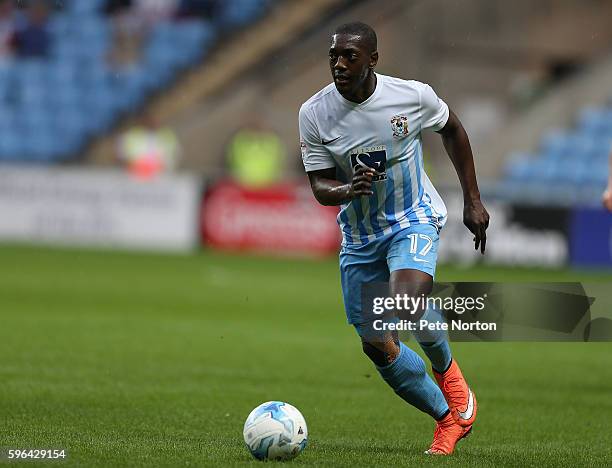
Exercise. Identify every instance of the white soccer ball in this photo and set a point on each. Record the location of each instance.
(275, 431)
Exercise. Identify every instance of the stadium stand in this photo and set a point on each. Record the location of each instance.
(569, 166)
(51, 105)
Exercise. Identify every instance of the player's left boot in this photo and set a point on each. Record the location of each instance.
(446, 436)
(460, 398)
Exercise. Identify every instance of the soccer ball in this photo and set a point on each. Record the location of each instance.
(275, 431)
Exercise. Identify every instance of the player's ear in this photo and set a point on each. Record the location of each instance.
(373, 59)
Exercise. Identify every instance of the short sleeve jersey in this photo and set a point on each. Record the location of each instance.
(384, 133)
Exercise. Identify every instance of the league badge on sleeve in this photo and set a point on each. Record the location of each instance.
(374, 157)
(399, 124)
(303, 149)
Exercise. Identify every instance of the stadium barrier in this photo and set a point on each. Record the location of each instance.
(518, 235)
(591, 237)
(282, 219)
(106, 208)
(109, 208)
(530, 236)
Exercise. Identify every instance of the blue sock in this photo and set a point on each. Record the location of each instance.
(408, 378)
(434, 343)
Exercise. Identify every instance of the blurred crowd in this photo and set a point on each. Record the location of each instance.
(24, 25)
(133, 20)
(155, 10)
(24, 31)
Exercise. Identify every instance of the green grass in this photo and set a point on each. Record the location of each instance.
(156, 360)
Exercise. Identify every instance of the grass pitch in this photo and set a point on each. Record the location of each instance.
(156, 360)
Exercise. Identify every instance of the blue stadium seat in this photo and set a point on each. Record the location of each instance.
(591, 121)
(578, 145)
(40, 144)
(129, 88)
(60, 26)
(596, 147)
(601, 158)
(49, 108)
(600, 178)
(100, 108)
(62, 73)
(84, 7)
(544, 170)
(160, 66)
(580, 173)
(176, 45)
(607, 123)
(553, 142)
(66, 50)
(239, 13)
(32, 95)
(11, 144)
(95, 76)
(30, 71)
(7, 118)
(65, 97)
(518, 168)
(71, 131)
(92, 28)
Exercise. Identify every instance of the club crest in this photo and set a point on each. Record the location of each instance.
(399, 124)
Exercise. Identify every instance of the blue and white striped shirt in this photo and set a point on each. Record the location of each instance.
(383, 132)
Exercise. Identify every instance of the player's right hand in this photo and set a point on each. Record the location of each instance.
(476, 219)
(607, 199)
(361, 185)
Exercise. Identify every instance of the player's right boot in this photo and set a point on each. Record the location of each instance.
(460, 398)
(446, 436)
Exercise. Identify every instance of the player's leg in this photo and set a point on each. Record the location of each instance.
(412, 259)
(405, 372)
(416, 283)
(399, 366)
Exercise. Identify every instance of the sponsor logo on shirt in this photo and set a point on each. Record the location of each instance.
(374, 157)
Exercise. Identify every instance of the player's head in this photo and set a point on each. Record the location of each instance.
(352, 56)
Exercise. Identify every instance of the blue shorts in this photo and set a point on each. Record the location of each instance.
(414, 247)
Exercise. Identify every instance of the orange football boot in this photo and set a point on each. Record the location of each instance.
(461, 400)
(446, 436)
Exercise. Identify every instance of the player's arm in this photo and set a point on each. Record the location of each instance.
(607, 195)
(457, 145)
(329, 191)
(321, 168)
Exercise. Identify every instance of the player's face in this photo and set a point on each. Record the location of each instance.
(350, 63)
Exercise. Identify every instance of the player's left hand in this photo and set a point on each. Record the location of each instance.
(607, 199)
(476, 219)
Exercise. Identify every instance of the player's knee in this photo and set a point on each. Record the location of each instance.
(381, 354)
(375, 355)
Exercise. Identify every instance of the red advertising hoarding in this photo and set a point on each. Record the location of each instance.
(284, 219)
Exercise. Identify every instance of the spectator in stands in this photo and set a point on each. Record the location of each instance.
(149, 149)
(128, 33)
(132, 21)
(146, 12)
(32, 38)
(607, 195)
(255, 156)
(154, 11)
(113, 7)
(207, 9)
(7, 28)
